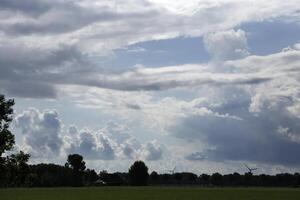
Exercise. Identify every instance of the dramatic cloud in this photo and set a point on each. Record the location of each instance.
(46, 44)
(234, 107)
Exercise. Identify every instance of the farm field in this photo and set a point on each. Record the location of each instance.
(150, 193)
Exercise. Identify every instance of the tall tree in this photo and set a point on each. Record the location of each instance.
(7, 139)
(138, 173)
(76, 163)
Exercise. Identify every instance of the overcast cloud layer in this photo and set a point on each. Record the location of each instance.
(236, 107)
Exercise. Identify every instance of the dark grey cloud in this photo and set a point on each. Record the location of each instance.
(58, 17)
(30, 7)
(27, 72)
(28, 89)
(23, 61)
(133, 106)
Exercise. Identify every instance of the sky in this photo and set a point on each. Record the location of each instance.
(201, 85)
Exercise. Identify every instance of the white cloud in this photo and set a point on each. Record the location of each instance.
(93, 146)
(41, 131)
(227, 45)
(283, 90)
(44, 138)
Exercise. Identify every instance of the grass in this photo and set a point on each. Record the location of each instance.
(150, 193)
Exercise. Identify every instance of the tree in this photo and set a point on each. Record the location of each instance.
(154, 176)
(216, 179)
(138, 174)
(17, 168)
(7, 139)
(49, 175)
(204, 179)
(90, 176)
(76, 163)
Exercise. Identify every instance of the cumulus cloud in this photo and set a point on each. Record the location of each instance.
(44, 138)
(227, 45)
(92, 145)
(107, 146)
(41, 130)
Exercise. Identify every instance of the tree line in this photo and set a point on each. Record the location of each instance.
(16, 172)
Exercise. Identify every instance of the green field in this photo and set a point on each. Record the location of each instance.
(150, 193)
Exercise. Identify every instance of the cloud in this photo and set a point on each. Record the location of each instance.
(128, 151)
(43, 137)
(197, 156)
(232, 121)
(93, 146)
(28, 89)
(130, 148)
(41, 130)
(265, 128)
(227, 45)
(110, 145)
(27, 72)
(118, 132)
(282, 92)
(245, 108)
(133, 106)
(152, 151)
(53, 43)
(30, 7)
